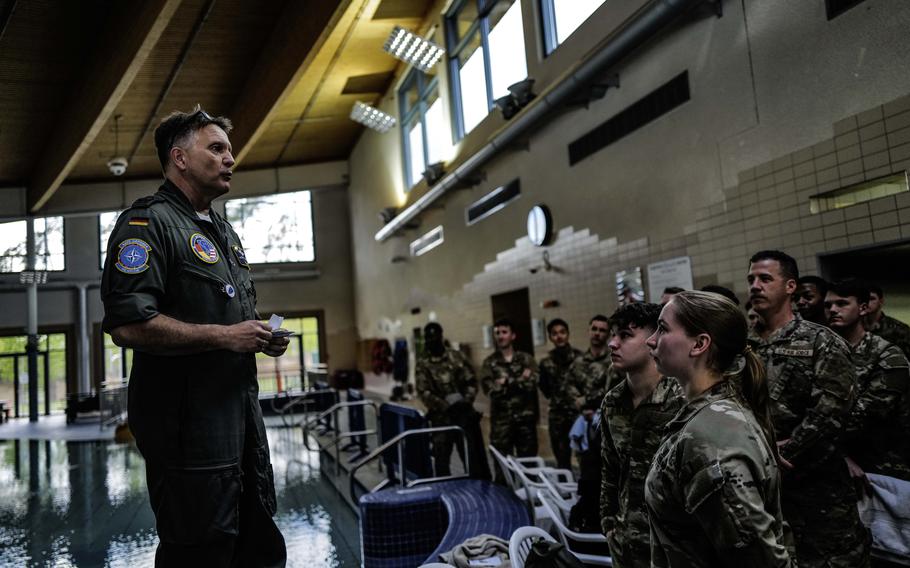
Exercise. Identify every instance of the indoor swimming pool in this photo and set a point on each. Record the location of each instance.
(85, 504)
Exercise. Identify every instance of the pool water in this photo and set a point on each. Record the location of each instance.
(85, 504)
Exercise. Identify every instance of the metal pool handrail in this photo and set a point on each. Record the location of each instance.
(396, 441)
(336, 435)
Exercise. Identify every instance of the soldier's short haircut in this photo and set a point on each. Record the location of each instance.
(432, 325)
(851, 287)
(788, 267)
(556, 321)
(642, 315)
(876, 289)
(673, 290)
(179, 126)
(723, 291)
(504, 322)
(820, 283)
(600, 317)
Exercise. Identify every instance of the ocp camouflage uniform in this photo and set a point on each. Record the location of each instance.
(631, 436)
(713, 491)
(590, 377)
(562, 414)
(878, 430)
(893, 331)
(811, 380)
(445, 384)
(513, 404)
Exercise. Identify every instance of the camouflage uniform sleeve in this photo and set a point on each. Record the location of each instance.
(882, 397)
(833, 395)
(425, 392)
(547, 380)
(470, 379)
(609, 479)
(726, 501)
(574, 378)
(487, 382)
(530, 383)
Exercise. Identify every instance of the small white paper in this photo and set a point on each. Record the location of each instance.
(492, 561)
(275, 321)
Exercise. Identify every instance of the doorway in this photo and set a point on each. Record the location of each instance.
(882, 265)
(515, 306)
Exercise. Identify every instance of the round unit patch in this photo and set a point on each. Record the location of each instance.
(203, 248)
(133, 257)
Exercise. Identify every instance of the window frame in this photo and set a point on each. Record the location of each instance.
(453, 52)
(426, 86)
(549, 31)
(45, 269)
(279, 263)
(103, 247)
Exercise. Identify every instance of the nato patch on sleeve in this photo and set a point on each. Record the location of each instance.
(133, 257)
(203, 248)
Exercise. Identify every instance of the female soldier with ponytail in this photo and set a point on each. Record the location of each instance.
(713, 490)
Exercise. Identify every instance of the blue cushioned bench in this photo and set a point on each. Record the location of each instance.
(403, 528)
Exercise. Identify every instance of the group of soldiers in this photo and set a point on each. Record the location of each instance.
(838, 388)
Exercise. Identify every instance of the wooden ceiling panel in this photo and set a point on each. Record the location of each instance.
(287, 78)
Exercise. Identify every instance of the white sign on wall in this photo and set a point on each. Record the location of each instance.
(666, 273)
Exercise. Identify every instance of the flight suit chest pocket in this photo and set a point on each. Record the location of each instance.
(207, 278)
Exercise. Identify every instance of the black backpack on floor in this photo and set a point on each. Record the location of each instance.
(547, 554)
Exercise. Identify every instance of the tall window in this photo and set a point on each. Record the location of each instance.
(274, 228)
(118, 361)
(426, 138)
(562, 17)
(106, 222)
(49, 248)
(51, 373)
(486, 50)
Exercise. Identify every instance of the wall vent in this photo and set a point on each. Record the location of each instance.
(653, 105)
(492, 202)
(428, 241)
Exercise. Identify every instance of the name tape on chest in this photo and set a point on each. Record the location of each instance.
(203, 248)
(133, 256)
(791, 352)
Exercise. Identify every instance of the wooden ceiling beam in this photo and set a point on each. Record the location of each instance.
(300, 33)
(134, 32)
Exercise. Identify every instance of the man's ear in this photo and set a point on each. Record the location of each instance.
(791, 286)
(178, 156)
(863, 308)
(702, 344)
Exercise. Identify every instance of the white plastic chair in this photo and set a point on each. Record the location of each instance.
(520, 544)
(564, 496)
(568, 536)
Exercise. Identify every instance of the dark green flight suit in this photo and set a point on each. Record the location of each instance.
(196, 418)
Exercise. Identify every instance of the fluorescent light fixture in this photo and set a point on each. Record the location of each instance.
(372, 117)
(430, 240)
(410, 48)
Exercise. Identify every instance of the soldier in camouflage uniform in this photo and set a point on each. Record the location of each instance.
(878, 430)
(447, 387)
(592, 374)
(553, 380)
(713, 490)
(811, 381)
(509, 378)
(634, 414)
(890, 329)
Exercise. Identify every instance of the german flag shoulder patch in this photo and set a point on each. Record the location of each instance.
(139, 221)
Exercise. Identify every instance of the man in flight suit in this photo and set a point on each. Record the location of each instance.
(177, 290)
